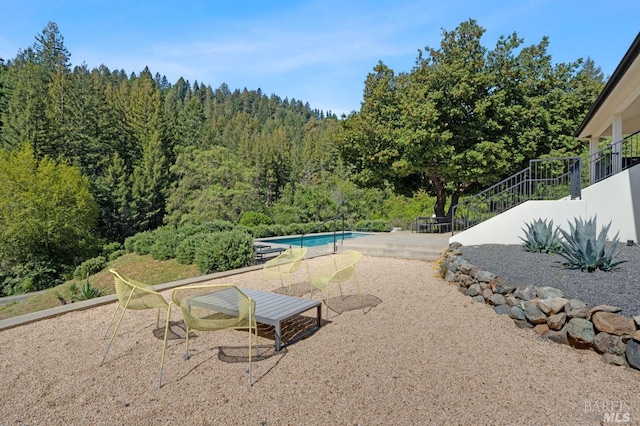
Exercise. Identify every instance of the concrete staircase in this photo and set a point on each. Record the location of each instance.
(404, 244)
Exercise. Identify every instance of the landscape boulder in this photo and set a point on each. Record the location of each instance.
(580, 333)
(552, 305)
(526, 293)
(557, 321)
(633, 354)
(608, 343)
(484, 276)
(548, 292)
(533, 312)
(613, 323)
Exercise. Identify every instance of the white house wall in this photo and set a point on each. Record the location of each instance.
(615, 199)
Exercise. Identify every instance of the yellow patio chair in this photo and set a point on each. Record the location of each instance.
(133, 295)
(338, 269)
(284, 265)
(212, 307)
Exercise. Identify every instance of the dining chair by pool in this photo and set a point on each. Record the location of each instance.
(133, 295)
(213, 307)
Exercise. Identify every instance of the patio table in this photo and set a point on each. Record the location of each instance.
(271, 308)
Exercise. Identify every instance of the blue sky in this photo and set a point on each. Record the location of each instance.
(319, 52)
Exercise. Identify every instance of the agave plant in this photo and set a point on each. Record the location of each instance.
(541, 237)
(584, 251)
(89, 292)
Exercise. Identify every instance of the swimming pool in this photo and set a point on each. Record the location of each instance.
(313, 240)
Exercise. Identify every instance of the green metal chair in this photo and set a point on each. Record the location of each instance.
(284, 265)
(212, 307)
(338, 269)
(133, 295)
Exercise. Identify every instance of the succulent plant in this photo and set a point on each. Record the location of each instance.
(583, 250)
(541, 237)
(89, 292)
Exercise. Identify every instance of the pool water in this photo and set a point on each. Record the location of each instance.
(313, 240)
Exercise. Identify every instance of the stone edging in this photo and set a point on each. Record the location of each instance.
(549, 313)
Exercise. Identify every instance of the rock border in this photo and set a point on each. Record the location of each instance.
(545, 310)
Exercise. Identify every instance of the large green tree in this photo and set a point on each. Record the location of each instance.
(47, 213)
(465, 116)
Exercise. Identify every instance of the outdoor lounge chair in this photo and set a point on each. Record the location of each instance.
(284, 265)
(338, 269)
(133, 295)
(212, 307)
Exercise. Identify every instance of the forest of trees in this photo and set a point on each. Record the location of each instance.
(92, 156)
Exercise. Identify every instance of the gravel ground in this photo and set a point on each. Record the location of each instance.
(426, 354)
(619, 287)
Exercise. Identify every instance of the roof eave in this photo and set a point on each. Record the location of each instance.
(621, 69)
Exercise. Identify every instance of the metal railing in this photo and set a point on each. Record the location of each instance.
(547, 179)
(544, 179)
(614, 158)
(335, 230)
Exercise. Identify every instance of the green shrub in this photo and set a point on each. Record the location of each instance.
(165, 241)
(294, 229)
(262, 231)
(144, 242)
(31, 276)
(109, 248)
(540, 237)
(245, 229)
(140, 243)
(130, 242)
(584, 251)
(186, 249)
(277, 230)
(224, 251)
(90, 267)
(116, 254)
(286, 214)
(310, 226)
(188, 230)
(251, 219)
(215, 226)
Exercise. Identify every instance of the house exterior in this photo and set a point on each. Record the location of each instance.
(613, 198)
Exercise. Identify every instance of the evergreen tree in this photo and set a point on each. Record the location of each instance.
(24, 119)
(149, 186)
(114, 195)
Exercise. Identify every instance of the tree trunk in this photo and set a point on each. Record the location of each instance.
(441, 196)
(455, 197)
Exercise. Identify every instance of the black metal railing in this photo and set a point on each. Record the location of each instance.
(335, 230)
(547, 179)
(544, 179)
(614, 158)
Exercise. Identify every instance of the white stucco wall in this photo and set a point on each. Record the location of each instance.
(616, 199)
(507, 227)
